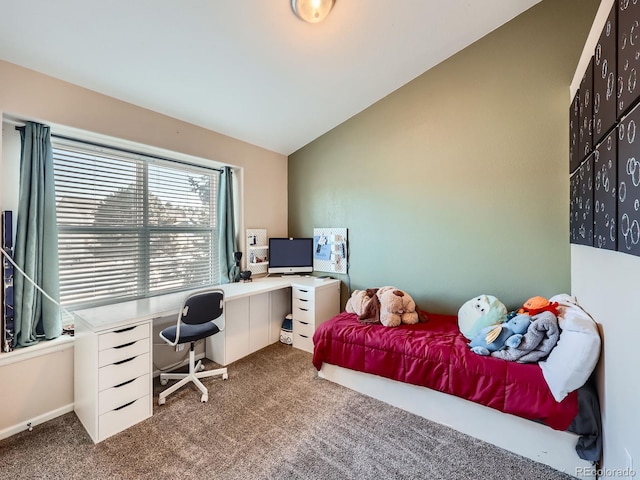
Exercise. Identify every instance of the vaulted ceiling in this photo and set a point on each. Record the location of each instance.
(249, 69)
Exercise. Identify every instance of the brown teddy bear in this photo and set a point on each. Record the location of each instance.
(396, 307)
(387, 305)
(359, 302)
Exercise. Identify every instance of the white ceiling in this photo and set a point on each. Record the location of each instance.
(249, 69)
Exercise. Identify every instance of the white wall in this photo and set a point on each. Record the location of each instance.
(35, 389)
(607, 285)
(28, 95)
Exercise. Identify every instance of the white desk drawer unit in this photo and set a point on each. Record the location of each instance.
(113, 384)
(312, 305)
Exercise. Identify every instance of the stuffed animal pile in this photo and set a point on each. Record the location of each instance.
(389, 306)
(527, 335)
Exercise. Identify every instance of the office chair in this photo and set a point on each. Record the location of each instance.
(195, 322)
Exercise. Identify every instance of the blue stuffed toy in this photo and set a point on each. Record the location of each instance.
(496, 337)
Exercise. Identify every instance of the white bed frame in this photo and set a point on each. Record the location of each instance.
(523, 437)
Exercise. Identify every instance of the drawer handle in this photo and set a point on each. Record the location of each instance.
(304, 323)
(122, 330)
(125, 345)
(124, 383)
(304, 309)
(125, 405)
(303, 299)
(303, 336)
(305, 291)
(123, 361)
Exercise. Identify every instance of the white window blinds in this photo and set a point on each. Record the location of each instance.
(131, 225)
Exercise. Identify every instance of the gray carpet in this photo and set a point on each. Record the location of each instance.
(273, 419)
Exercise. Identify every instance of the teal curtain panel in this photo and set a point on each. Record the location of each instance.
(36, 246)
(226, 226)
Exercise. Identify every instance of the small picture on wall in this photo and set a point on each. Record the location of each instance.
(321, 248)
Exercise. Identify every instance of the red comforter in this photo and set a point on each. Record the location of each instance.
(435, 355)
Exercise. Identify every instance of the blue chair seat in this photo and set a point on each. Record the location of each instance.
(190, 333)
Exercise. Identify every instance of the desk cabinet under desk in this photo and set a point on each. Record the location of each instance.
(253, 322)
(250, 323)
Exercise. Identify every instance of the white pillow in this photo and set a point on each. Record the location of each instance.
(576, 354)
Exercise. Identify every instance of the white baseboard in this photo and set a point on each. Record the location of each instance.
(45, 417)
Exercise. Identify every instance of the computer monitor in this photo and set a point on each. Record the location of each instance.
(290, 255)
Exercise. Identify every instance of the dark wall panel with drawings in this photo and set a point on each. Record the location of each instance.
(605, 188)
(585, 128)
(605, 201)
(581, 190)
(604, 79)
(629, 184)
(574, 120)
(628, 89)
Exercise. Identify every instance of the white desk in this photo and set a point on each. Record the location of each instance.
(115, 316)
(113, 344)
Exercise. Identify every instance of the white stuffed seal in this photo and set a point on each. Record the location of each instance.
(480, 312)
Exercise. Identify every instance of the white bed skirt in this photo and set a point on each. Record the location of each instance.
(523, 437)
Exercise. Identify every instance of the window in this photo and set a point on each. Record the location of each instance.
(131, 225)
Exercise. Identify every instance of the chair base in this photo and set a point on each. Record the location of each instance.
(196, 371)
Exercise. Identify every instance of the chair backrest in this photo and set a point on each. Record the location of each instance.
(202, 307)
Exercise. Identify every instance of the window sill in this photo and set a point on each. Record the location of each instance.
(44, 347)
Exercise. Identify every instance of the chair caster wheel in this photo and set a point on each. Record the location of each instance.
(161, 401)
(204, 398)
(201, 368)
(225, 376)
(163, 381)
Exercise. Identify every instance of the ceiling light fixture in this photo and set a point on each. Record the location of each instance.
(312, 11)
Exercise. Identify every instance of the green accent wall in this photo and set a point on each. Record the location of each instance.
(456, 184)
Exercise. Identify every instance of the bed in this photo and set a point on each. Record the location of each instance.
(428, 369)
